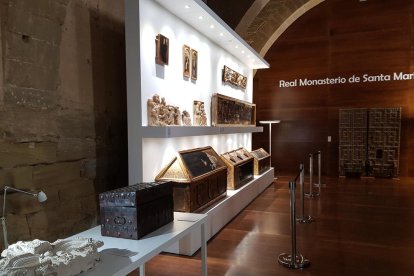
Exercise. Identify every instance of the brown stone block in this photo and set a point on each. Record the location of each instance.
(56, 174)
(80, 226)
(89, 168)
(76, 190)
(17, 229)
(75, 148)
(47, 30)
(12, 155)
(55, 218)
(2, 178)
(21, 177)
(19, 20)
(33, 51)
(90, 205)
(19, 48)
(32, 76)
(28, 97)
(37, 18)
(33, 125)
(76, 123)
(47, 234)
(22, 204)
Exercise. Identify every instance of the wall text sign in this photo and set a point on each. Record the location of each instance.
(396, 76)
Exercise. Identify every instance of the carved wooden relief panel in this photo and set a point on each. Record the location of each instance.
(352, 141)
(384, 141)
(369, 142)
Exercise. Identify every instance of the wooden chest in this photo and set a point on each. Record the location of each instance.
(134, 211)
(240, 167)
(199, 178)
(261, 161)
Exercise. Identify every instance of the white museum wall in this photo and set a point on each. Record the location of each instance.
(168, 81)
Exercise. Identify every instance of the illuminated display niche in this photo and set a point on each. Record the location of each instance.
(150, 148)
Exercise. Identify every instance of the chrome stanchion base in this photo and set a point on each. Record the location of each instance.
(306, 219)
(299, 262)
(312, 194)
(317, 185)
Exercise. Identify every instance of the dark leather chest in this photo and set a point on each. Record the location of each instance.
(137, 210)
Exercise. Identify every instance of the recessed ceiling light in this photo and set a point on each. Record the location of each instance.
(242, 52)
(187, 6)
(211, 26)
(221, 34)
(237, 46)
(200, 17)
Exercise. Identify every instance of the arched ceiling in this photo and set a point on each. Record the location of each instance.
(261, 22)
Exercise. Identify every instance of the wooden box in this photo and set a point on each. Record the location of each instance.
(239, 167)
(261, 161)
(199, 178)
(134, 211)
(228, 111)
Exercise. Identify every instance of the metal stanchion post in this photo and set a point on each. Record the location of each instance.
(303, 218)
(311, 193)
(319, 184)
(293, 260)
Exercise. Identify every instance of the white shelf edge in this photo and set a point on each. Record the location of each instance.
(184, 131)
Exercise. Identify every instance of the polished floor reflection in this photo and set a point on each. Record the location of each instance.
(362, 227)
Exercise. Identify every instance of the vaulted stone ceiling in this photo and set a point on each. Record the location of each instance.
(260, 22)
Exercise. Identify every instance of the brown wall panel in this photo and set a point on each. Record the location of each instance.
(337, 38)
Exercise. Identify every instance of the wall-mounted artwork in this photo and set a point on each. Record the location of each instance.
(200, 118)
(186, 118)
(234, 78)
(161, 114)
(161, 49)
(194, 64)
(226, 111)
(186, 61)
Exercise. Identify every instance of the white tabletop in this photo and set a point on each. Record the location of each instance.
(113, 253)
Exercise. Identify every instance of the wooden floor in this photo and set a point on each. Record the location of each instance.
(362, 227)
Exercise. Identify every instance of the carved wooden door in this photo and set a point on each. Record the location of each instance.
(369, 142)
(384, 141)
(352, 141)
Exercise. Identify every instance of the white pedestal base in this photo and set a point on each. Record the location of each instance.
(223, 211)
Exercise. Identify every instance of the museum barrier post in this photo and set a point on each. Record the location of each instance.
(311, 192)
(319, 184)
(303, 218)
(293, 260)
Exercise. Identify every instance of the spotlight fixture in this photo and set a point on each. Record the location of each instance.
(41, 197)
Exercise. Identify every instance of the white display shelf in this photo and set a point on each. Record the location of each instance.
(185, 131)
(122, 256)
(222, 212)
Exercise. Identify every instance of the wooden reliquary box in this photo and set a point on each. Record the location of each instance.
(199, 178)
(239, 167)
(261, 161)
(228, 111)
(134, 211)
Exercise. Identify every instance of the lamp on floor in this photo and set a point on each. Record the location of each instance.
(270, 123)
(41, 197)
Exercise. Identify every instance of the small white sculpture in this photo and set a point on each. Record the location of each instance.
(63, 257)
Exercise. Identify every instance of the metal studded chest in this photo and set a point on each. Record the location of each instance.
(134, 211)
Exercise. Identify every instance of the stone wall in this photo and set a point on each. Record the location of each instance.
(63, 123)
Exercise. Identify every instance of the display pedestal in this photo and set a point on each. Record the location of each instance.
(222, 212)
